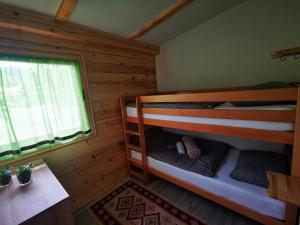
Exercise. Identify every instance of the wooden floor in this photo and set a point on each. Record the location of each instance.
(201, 208)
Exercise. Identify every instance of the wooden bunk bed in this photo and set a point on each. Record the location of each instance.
(291, 137)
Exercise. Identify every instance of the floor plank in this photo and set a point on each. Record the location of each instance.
(200, 207)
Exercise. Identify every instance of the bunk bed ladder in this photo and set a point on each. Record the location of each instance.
(137, 168)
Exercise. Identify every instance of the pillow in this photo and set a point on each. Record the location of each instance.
(180, 148)
(268, 85)
(161, 147)
(192, 149)
(213, 152)
(252, 165)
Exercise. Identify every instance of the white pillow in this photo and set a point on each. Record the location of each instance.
(180, 148)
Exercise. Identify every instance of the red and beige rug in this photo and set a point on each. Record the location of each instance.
(132, 204)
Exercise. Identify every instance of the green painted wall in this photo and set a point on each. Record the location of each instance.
(234, 48)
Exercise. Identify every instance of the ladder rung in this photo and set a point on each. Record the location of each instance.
(137, 174)
(136, 162)
(131, 119)
(134, 147)
(132, 132)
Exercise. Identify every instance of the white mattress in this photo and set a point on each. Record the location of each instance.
(249, 195)
(264, 125)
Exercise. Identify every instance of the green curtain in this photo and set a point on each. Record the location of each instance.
(41, 103)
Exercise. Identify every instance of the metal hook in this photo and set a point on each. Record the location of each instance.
(283, 58)
(296, 56)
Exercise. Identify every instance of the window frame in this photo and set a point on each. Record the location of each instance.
(79, 57)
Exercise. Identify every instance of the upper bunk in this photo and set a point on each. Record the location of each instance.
(272, 118)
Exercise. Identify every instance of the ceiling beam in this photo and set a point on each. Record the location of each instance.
(179, 4)
(65, 9)
(13, 18)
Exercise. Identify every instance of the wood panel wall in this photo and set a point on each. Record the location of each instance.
(115, 67)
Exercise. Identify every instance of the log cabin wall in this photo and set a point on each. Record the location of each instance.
(114, 67)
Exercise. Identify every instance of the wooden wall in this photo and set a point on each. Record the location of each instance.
(115, 67)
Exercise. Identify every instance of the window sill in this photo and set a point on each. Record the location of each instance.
(40, 153)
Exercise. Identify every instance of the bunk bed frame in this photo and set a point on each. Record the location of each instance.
(285, 137)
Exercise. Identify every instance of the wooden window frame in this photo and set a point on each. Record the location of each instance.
(54, 55)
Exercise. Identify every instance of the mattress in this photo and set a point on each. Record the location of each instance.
(264, 125)
(251, 196)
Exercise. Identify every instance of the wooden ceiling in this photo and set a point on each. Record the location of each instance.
(157, 19)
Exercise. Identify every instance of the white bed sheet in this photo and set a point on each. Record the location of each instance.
(264, 125)
(251, 196)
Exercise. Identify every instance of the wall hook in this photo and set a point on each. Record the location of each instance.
(283, 58)
(296, 56)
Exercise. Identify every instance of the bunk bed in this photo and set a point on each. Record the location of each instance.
(278, 123)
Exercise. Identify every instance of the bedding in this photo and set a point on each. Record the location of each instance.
(192, 149)
(251, 196)
(179, 105)
(252, 166)
(206, 164)
(275, 126)
(268, 85)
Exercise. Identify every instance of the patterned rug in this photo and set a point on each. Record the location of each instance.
(132, 204)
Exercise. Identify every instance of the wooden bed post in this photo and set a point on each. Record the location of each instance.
(133, 163)
(126, 139)
(285, 137)
(296, 147)
(142, 139)
(291, 212)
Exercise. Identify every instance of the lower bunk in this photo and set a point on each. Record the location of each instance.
(250, 200)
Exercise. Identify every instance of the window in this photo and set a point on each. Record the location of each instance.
(41, 104)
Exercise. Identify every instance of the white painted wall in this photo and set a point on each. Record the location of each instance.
(233, 49)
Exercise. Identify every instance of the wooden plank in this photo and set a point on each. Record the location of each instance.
(218, 199)
(20, 19)
(283, 187)
(285, 52)
(283, 94)
(136, 162)
(66, 45)
(142, 139)
(96, 67)
(60, 214)
(65, 10)
(132, 132)
(35, 194)
(175, 7)
(239, 88)
(134, 147)
(88, 168)
(120, 77)
(121, 60)
(257, 115)
(291, 214)
(296, 145)
(124, 126)
(254, 134)
(95, 178)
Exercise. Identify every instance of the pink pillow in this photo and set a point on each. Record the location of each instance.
(191, 147)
